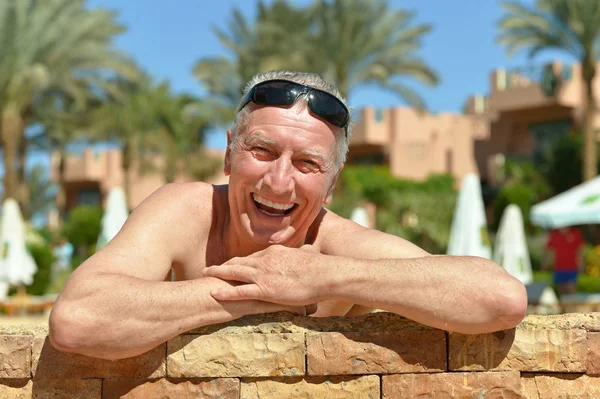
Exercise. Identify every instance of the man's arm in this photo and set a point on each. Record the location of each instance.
(117, 305)
(463, 294)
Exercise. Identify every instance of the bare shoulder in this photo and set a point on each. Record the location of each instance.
(159, 232)
(339, 236)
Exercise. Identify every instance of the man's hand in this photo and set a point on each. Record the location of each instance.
(278, 274)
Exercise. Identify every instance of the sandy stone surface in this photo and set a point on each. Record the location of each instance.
(523, 349)
(15, 356)
(500, 385)
(365, 387)
(219, 388)
(51, 389)
(236, 355)
(51, 363)
(376, 353)
(570, 386)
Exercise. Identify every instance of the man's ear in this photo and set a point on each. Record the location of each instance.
(227, 163)
(327, 199)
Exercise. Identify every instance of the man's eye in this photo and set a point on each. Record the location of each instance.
(309, 165)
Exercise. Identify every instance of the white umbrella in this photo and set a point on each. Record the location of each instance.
(360, 216)
(510, 249)
(468, 234)
(579, 205)
(17, 266)
(115, 215)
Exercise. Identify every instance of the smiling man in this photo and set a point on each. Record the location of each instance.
(265, 243)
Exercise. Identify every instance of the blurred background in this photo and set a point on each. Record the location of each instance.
(461, 111)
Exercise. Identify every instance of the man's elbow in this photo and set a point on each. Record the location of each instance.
(69, 332)
(512, 305)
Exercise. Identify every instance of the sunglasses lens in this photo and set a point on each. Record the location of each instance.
(329, 108)
(275, 93)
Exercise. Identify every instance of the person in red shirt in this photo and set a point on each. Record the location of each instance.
(565, 248)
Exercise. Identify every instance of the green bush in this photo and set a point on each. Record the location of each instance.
(421, 212)
(83, 225)
(42, 254)
(525, 186)
(82, 229)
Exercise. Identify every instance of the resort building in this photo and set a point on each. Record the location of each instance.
(89, 177)
(525, 111)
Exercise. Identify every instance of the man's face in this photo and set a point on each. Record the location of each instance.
(282, 171)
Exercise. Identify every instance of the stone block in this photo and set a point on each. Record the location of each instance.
(218, 388)
(51, 388)
(376, 353)
(51, 363)
(236, 355)
(522, 349)
(340, 387)
(498, 385)
(16, 388)
(572, 386)
(593, 341)
(15, 356)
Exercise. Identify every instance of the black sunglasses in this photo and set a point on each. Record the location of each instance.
(283, 92)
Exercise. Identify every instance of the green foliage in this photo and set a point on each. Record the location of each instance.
(42, 254)
(421, 212)
(50, 48)
(83, 226)
(525, 186)
(562, 165)
(349, 42)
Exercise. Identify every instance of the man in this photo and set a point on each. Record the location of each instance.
(265, 243)
(565, 252)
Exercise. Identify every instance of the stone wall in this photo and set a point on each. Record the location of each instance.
(283, 356)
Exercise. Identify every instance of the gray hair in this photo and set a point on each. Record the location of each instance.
(308, 79)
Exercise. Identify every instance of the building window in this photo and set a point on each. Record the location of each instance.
(369, 159)
(545, 134)
(89, 196)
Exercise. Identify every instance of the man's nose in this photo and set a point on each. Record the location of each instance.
(279, 178)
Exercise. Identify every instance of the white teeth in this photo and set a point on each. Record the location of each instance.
(271, 204)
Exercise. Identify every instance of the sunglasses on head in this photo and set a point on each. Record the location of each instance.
(283, 92)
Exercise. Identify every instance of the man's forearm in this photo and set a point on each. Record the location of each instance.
(462, 294)
(115, 316)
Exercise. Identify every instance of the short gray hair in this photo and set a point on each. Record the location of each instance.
(308, 79)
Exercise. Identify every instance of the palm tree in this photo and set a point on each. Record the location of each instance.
(183, 123)
(56, 45)
(567, 25)
(364, 42)
(62, 121)
(41, 189)
(255, 46)
(129, 118)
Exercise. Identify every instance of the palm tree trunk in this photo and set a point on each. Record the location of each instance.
(129, 158)
(23, 189)
(61, 196)
(11, 134)
(590, 157)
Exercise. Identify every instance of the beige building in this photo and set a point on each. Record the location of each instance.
(90, 176)
(516, 119)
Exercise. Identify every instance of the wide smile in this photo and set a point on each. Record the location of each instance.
(271, 208)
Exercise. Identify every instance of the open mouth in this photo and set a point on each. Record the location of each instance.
(271, 208)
